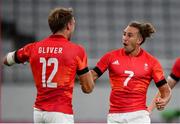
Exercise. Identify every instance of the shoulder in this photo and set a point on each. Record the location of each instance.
(28, 46)
(149, 57)
(110, 55)
(77, 48)
(75, 45)
(177, 61)
(114, 52)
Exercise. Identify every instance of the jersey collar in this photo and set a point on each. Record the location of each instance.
(57, 36)
(140, 53)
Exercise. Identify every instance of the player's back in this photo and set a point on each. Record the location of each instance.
(53, 63)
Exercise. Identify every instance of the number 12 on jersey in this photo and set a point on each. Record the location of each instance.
(48, 83)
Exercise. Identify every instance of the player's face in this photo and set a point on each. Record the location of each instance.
(72, 27)
(131, 40)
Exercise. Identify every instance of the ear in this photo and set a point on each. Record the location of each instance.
(68, 26)
(140, 40)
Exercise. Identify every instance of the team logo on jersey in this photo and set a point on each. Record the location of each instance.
(146, 67)
(116, 62)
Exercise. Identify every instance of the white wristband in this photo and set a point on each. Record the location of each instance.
(10, 58)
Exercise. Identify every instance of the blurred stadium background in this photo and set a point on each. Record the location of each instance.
(99, 29)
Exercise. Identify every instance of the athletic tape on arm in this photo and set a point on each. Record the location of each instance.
(10, 58)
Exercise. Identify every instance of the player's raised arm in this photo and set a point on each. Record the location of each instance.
(19, 56)
(9, 59)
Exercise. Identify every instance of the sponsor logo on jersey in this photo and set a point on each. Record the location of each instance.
(116, 62)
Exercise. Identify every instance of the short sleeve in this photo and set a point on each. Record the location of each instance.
(103, 63)
(82, 63)
(176, 68)
(22, 55)
(175, 71)
(158, 74)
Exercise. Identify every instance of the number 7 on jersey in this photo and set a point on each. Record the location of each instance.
(131, 74)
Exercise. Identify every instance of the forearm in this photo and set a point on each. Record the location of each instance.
(162, 101)
(171, 82)
(94, 75)
(165, 93)
(163, 96)
(87, 83)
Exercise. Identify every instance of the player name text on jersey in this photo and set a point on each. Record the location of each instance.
(54, 50)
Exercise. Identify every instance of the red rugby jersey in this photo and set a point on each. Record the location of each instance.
(54, 62)
(130, 78)
(175, 72)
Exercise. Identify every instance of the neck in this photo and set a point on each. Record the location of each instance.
(135, 52)
(65, 34)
